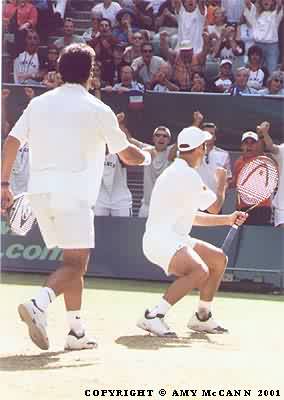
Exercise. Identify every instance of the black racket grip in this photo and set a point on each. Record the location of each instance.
(229, 238)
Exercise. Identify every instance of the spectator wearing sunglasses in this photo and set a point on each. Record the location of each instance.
(162, 154)
(275, 85)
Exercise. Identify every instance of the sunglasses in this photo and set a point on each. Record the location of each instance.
(158, 135)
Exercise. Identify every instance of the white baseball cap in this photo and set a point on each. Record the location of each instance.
(251, 135)
(192, 137)
(225, 61)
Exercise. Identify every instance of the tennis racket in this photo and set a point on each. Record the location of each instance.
(20, 216)
(257, 181)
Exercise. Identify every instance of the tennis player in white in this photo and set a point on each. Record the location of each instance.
(176, 198)
(67, 130)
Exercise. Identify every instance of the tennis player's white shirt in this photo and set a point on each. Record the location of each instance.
(67, 130)
(278, 201)
(178, 194)
(215, 158)
(114, 197)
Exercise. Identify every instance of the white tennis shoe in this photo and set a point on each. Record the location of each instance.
(36, 323)
(155, 325)
(79, 342)
(207, 326)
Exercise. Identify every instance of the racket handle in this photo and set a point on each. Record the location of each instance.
(229, 238)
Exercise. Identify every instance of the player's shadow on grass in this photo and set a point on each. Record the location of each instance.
(45, 361)
(148, 342)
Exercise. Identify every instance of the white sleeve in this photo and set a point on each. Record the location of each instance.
(21, 128)
(116, 140)
(207, 198)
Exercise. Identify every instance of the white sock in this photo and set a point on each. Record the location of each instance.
(45, 296)
(204, 308)
(161, 308)
(75, 322)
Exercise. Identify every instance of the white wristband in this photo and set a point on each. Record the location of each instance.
(148, 158)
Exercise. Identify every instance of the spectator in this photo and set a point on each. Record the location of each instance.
(219, 23)
(240, 87)
(162, 153)
(114, 198)
(144, 14)
(225, 78)
(275, 85)
(265, 20)
(278, 154)
(52, 57)
(134, 51)
(212, 5)
(8, 13)
(215, 169)
(162, 81)
(27, 66)
(245, 35)
(166, 21)
(126, 26)
(52, 80)
(68, 35)
(45, 18)
(112, 65)
(258, 74)
(103, 42)
(127, 82)
(59, 8)
(147, 66)
(183, 61)
(191, 22)
(94, 30)
(198, 85)
(233, 10)
(251, 147)
(108, 9)
(228, 47)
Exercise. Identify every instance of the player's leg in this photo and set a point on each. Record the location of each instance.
(216, 261)
(191, 272)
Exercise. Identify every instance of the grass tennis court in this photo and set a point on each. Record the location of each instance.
(251, 357)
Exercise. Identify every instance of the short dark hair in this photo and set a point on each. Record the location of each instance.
(255, 50)
(150, 44)
(75, 63)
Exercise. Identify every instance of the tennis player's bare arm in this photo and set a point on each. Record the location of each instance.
(263, 133)
(237, 217)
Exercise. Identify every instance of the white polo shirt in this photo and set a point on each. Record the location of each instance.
(278, 200)
(67, 130)
(190, 27)
(109, 12)
(215, 158)
(176, 197)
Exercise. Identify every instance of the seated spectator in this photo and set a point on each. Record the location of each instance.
(219, 23)
(126, 26)
(162, 80)
(225, 78)
(211, 7)
(115, 199)
(198, 85)
(52, 80)
(144, 15)
(265, 20)
(146, 66)
(251, 147)
(108, 9)
(52, 56)
(68, 35)
(183, 61)
(24, 18)
(27, 66)
(103, 42)
(228, 47)
(45, 18)
(191, 23)
(258, 73)
(94, 30)
(162, 153)
(111, 67)
(240, 87)
(134, 51)
(215, 169)
(127, 82)
(233, 10)
(275, 85)
(166, 21)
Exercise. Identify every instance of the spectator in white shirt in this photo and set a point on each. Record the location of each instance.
(94, 29)
(127, 82)
(191, 22)
(108, 9)
(258, 73)
(225, 79)
(265, 20)
(233, 10)
(162, 80)
(68, 35)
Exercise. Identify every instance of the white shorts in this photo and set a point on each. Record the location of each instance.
(119, 212)
(278, 216)
(160, 248)
(64, 222)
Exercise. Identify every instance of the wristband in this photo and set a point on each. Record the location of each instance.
(148, 158)
(5, 183)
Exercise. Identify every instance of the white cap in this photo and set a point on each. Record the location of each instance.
(226, 61)
(192, 137)
(251, 135)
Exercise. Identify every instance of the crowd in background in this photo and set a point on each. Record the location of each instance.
(222, 46)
